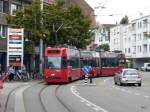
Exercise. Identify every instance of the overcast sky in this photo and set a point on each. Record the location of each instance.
(119, 8)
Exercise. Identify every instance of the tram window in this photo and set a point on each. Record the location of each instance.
(103, 62)
(94, 64)
(64, 62)
(84, 62)
(97, 62)
(74, 62)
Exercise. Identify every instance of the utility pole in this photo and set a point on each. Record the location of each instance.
(55, 31)
(41, 46)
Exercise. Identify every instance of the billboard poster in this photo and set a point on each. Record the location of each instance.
(15, 43)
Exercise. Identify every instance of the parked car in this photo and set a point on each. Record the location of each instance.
(146, 67)
(128, 76)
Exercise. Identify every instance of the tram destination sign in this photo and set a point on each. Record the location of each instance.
(15, 43)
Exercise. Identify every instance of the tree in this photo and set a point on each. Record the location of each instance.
(75, 28)
(124, 20)
(29, 18)
(105, 47)
(69, 23)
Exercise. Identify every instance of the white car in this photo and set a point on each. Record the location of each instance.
(146, 67)
(128, 76)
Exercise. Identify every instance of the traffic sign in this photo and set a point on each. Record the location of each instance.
(86, 69)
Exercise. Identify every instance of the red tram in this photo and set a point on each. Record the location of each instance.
(65, 64)
(61, 64)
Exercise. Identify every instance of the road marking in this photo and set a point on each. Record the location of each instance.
(146, 96)
(88, 104)
(73, 89)
(96, 109)
(19, 103)
(137, 93)
(82, 101)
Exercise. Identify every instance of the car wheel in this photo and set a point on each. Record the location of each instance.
(120, 84)
(139, 84)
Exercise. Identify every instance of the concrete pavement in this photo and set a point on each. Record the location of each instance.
(9, 90)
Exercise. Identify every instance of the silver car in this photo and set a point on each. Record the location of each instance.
(128, 76)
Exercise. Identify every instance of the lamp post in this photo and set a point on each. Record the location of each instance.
(41, 46)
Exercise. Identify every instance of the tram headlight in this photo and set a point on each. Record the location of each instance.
(52, 75)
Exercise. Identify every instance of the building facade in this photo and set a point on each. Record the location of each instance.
(102, 35)
(134, 40)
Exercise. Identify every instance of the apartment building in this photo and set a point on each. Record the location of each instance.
(134, 40)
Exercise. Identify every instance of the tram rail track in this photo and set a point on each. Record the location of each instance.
(60, 100)
(9, 96)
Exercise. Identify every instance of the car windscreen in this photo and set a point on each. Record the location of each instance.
(131, 72)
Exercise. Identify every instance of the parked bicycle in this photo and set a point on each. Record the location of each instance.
(21, 76)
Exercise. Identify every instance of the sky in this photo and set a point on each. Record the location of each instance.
(119, 8)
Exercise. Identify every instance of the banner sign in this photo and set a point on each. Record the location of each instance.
(15, 43)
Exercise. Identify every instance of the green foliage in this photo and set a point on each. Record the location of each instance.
(104, 47)
(124, 20)
(29, 47)
(29, 18)
(45, 24)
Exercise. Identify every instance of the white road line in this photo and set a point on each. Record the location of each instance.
(92, 104)
(82, 101)
(19, 103)
(88, 104)
(130, 92)
(146, 96)
(137, 93)
(96, 109)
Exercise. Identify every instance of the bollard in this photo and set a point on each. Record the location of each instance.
(86, 78)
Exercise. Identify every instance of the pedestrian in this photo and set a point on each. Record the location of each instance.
(91, 72)
(11, 73)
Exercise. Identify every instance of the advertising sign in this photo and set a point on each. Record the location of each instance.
(15, 43)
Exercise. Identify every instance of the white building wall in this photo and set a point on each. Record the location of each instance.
(116, 38)
(142, 41)
(132, 40)
(101, 35)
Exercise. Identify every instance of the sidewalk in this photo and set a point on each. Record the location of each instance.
(9, 88)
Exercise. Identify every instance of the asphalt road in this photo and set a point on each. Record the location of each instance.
(101, 96)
